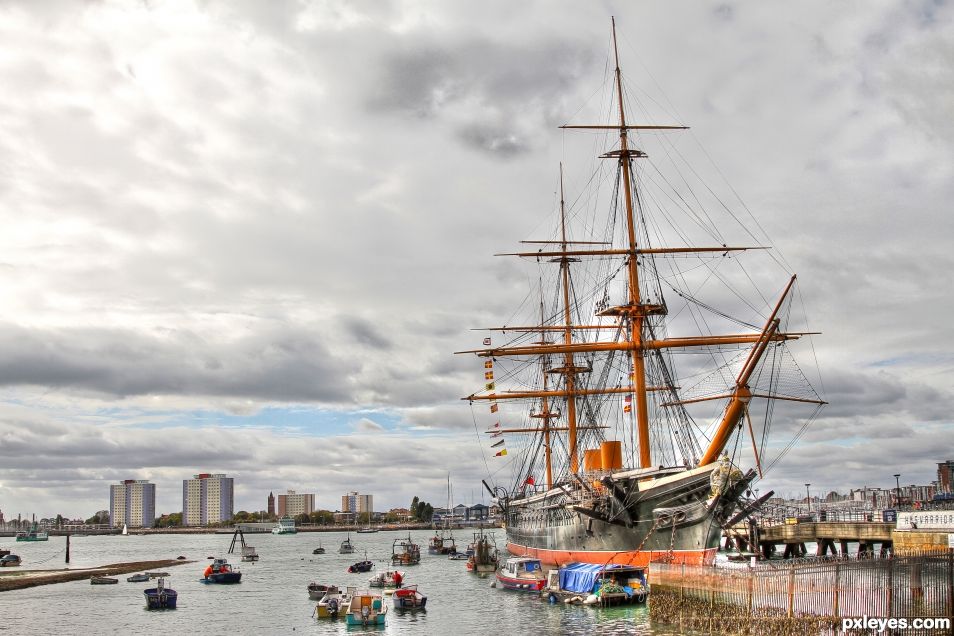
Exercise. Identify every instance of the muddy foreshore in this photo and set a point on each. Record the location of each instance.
(15, 580)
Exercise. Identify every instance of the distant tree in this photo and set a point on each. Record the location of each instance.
(322, 517)
(303, 518)
(169, 521)
(100, 517)
(414, 504)
(428, 513)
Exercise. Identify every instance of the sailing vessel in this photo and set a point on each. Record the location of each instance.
(594, 370)
(443, 540)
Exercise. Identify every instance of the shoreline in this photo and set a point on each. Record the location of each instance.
(32, 578)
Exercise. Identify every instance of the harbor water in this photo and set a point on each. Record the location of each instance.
(272, 597)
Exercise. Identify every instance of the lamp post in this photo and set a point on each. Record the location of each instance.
(897, 482)
(808, 498)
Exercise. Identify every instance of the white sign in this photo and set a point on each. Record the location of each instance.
(927, 520)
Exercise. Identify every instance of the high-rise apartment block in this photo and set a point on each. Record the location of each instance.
(357, 504)
(207, 498)
(293, 504)
(133, 503)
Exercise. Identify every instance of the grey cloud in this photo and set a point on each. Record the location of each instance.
(277, 363)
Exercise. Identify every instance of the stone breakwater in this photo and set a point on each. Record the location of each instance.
(32, 578)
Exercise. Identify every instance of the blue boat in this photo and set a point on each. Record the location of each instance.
(221, 572)
(160, 597)
(595, 584)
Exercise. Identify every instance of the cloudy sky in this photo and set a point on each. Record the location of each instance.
(246, 237)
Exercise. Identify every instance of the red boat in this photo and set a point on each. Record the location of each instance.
(522, 574)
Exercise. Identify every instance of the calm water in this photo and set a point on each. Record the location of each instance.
(272, 597)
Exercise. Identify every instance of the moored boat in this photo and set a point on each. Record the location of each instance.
(103, 580)
(441, 544)
(595, 584)
(522, 574)
(137, 578)
(346, 546)
(316, 591)
(221, 572)
(10, 560)
(33, 534)
(361, 566)
(160, 597)
(408, 598)
(405, 552)
(367, 608)
(390, 579)
(484, 557)
(334, 602)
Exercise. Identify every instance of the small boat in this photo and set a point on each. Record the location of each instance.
(361, 566)
(483, 554)
(439, 544)
(249, 553)
(405, 552)
(137, 578)
(34, 534)
(3, 552)
(318, 550)
(346, 547)
(458, 556)
(390, 579)
(334, 602)
(125, 531)
(317, 590)
(595, 584)
(221, 572)
(368, 528)
(286, 525)
(103, 580)
(367, 608)
(160, 597)
(522, 574)
(9, 561)
(156, 575)
(408, 598)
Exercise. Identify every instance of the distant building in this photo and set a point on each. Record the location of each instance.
(478, 512)
(400, 514)
(356, 504)
(132, 502)
(945, 477)
(271, 505)
(293, 504)
(207, 498)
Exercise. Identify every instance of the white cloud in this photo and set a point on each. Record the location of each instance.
(211, 206)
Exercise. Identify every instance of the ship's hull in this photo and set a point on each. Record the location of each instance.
(674, 518)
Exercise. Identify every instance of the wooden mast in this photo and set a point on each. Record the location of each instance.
(742, 394)
(545, 413)
(631, 321)
(636, 314)
(569, 369)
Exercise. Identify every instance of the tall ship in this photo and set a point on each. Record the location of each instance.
(626, 444)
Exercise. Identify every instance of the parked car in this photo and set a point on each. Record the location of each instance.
(9, 560)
